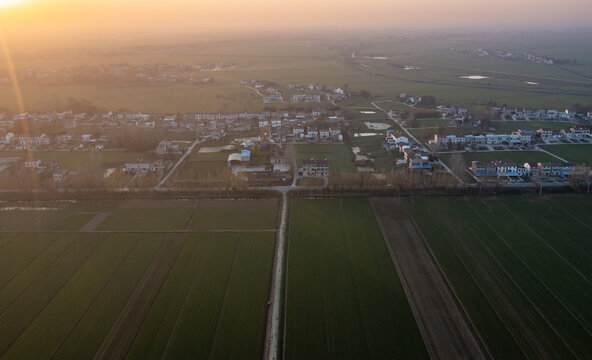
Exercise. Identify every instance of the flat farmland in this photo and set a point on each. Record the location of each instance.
(236, 214)
(69, 294)
(572, 152)
(344, 299)
(442, 322)
(520, 266)
(73, 160)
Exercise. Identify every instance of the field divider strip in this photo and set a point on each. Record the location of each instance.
(95, 298)
(539, 311)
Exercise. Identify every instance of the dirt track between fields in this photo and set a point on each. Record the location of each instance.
(96, 221)
(445, 328)
(123, 333)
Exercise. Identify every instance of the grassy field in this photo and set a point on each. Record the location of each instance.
(344, 299)
(72, 160)
(219, 310)
(520, 266)
(245, 215)
(192, 294)
(572, 152)
(509, 126)
(517, 156)
(286, 59)
(424, 123)
(372, 145)
(423, 133)
(339, 155)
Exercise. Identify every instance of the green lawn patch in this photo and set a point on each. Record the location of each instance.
(339, 155)
(573, 152)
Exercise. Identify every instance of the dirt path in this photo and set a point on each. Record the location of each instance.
(95, 222)
(272, 333)
(123, 333)
(444, 326)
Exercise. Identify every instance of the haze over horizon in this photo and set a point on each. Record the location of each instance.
(42, 18)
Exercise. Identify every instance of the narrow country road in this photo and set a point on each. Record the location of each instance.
(418, 142)
(272, 332)
(178, 163)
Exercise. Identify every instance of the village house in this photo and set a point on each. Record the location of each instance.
(32, 164)
(170, 121)
(34, 140)
(59, 175)
(324, 134)
(314, 168)
(143, 167)
(418, 161)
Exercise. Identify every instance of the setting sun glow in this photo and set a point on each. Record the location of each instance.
(4, 3)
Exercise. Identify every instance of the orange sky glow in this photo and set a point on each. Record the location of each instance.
(46, 16)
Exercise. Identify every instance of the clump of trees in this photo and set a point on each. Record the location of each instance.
(395, 178)
(428, 101)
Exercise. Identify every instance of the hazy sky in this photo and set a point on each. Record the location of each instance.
(43, 16)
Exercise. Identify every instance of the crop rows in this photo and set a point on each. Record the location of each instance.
(63, 296)
(344, 299)
(524, 288)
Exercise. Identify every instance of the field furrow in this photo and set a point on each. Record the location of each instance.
(15, 319)
(70, 304)
(85, 339)
(123, 333)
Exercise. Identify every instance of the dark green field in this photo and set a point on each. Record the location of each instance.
(521, 267)
(149, 293)
(572, 152)
(344, 299)
(236, 214)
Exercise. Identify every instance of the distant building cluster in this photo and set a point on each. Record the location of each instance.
(540, 114)
(505, 168)
(157, 74)
(415, 156)
(519, 137)
(525, 56)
